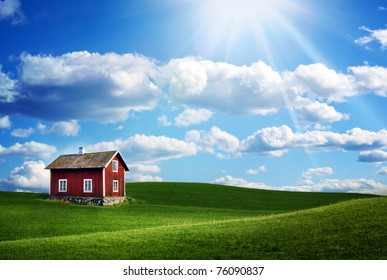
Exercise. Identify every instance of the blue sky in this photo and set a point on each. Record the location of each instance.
(284, 95)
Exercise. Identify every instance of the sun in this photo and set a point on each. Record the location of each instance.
(242, 13)
(233, 25)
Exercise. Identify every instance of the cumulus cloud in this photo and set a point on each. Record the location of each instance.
(66, 128)
(280, 139)
(308, 175)
(7, 88)
(109, 86)
(351, 185)
(147, 149)
(269, 141)
(379, 35)
(382, 170)
(376, 156)
(142, 173)
(186, 118)
(258, 89)
(163, 120)
(22, 133)
(144, 168)
(85, 86)
(5, 122)
(329, 185)
(192, 116)
(371, 79)
(226, 87)
(11, 9)
(30, 175)
(239, 182)
(136, 177)
(120, 127)
(318, 112)
(260, 169)
(215, 141)
(319, 82)
(29, 150)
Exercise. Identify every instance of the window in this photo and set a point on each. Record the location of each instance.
(87, 185)
(62, 185)
(115, 185)
(115, 166)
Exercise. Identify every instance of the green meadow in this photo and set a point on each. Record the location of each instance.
(196, 221)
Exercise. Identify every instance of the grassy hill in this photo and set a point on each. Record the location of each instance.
(196, 221)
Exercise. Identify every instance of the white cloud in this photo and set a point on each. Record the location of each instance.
(268, 139)
(22, 133)
(239, 182)
(107, 87)
(7, 88)
(376, 156)
(329, 185)
(31, 174)
(120, 127)
(11, 9)
(67, 128)
(215, 141)
(351, 185)
(381, 8)
(5, 122)
(318, 81)
(260, 169)
(379, 35)
(318, 112)
(258, 89)
(29, 150)
(280, 139)
(143, 148)
(311, 172)
(382, 170)
(308, 175)
(140, 173)
(192, 116)
(319, 126)
(163, 120)
(144, 168)
(229, 88)
(371, 79)
(135, 177)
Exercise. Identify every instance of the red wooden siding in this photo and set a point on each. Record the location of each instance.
(110, 176)
(75, 179)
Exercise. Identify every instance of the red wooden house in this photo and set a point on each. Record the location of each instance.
(97, 178)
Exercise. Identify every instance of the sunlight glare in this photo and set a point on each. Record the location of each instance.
(231, 26)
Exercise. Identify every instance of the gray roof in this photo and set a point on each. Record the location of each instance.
(86, 160)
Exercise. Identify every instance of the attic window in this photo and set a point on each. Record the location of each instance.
(115, 166)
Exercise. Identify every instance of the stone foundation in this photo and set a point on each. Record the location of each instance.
(98, 201)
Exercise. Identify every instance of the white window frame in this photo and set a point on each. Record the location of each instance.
(115, 165)
(62, 183)
(115, 185)
(86, 187)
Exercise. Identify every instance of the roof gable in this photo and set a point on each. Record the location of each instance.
(86, 160)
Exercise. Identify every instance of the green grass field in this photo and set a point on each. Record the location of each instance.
(196, 221)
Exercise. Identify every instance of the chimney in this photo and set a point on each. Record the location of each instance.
(80, 151)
